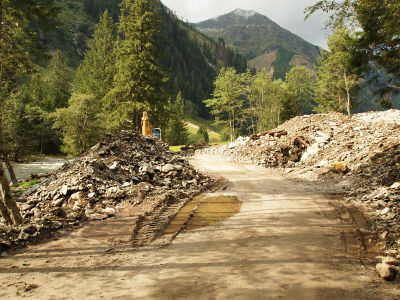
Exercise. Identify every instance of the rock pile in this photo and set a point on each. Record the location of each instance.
(358, 156)
(124, 167)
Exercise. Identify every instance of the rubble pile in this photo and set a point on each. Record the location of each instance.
(358, 156)
(126, 167)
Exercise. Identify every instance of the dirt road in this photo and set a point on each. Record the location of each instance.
(285, 243)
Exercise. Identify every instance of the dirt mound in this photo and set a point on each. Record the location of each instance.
(125, 167)
(358, 156)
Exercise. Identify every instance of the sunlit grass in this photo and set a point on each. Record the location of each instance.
(28, 184)
(175, 148)
(213, 137)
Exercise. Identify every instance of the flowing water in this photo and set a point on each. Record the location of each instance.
(45, 165)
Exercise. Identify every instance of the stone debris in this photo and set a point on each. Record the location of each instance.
(125, 167)
(386, 271)
(357, 157)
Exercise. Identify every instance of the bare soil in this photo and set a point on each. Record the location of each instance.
(288, 241)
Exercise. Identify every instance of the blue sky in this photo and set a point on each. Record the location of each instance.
(287, 13)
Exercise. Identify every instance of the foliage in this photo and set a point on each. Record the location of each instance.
(96, 72)
(301, 88)
(73, 33)
(337, 81)
(27, 127)
(79, 123)
(15, 38)
(378, 36)
(57, 80)
(265, 102)
(82, 122)
(379, 40)
(203, 133)
(176, 133)
(228, 99)
(96, 8)
(259, 87)
(194, 138)
(281, 65)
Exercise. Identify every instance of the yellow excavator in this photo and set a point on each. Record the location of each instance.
(146, 131)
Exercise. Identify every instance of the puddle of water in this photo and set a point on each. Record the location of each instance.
(211, 210)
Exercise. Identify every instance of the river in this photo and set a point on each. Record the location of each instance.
(44, 165)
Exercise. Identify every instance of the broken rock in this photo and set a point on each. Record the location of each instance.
(385, 271)
(64, 190)
(167, 168)
(339, 167)
(390, 261)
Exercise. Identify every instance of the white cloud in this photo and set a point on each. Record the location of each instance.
(287, 13)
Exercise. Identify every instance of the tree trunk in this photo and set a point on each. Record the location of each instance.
(230, 129)
(348, 106)
(3, 151)
(1, 21)
(10, 169)
(4, 212)
(8, 198)
(279, 117)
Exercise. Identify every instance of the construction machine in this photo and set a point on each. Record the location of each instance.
(146, 131)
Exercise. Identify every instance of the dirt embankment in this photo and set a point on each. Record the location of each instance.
(119, 169)
(358, 158)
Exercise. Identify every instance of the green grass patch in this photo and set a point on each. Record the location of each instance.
(28, 184)
(175, 148)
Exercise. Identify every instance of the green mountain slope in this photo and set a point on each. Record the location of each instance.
(190, 58)
(263, 42)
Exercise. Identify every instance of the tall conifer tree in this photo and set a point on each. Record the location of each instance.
(96, 73)
(139, 80)
(82, 122)
(177, 133)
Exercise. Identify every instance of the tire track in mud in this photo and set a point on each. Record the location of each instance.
(150, 226)
(357, 238)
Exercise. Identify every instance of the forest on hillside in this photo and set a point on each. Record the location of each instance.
(56, 47)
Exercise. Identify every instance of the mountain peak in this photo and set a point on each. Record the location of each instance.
(244, 13)
(265, 44)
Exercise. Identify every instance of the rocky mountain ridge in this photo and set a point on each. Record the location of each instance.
(263, 42)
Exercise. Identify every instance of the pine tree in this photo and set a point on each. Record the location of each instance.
(58, 82)
(203, 134)
(96, 73)
(82, 123)
(177, 133)
(139, 80)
